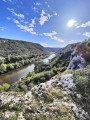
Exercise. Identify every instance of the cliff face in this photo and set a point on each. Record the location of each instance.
(83, 49)
(81, 55)
(77, 62)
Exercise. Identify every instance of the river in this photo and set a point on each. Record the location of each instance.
(15, 75)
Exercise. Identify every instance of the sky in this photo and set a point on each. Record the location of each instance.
(51, 23)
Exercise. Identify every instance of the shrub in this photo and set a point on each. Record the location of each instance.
(67, 72)
(3, 68)
(5, 86)
(57, 93)
(82, 80)
(10, 67)
(5, 107)
(47, 98)
(16, 65)
(42, 79)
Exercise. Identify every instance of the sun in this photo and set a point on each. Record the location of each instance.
(71, 22)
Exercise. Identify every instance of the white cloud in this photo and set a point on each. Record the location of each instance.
(8, 18)
(26, 29)
(71, 41)
(57, 39)
(44, 44)
(16, 14)
(7, 0)
(52, 36)
(3, 28)
(35, 9)
(56, 14)
(87, 34)
(16, 21)
(4, 0)
(44, 17)
(37, 3)
(32, 22)
(48, 6)
(87, 24)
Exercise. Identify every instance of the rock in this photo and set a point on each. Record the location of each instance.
(42, 87)
(27, 97)
(14, 97)
(77, 62)
(20, 117)
(79, 96)
(8, 114)
(27, 109)
(7, 97)
(66, 81)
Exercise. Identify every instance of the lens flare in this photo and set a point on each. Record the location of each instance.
(71, 22)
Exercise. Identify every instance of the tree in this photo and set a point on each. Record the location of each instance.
(38, 66)
(10, 67)
(3, 68)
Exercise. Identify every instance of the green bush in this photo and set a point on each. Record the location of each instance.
(3, 68)
(5, 86)
(67, 72)
(10, 67)
(38, 66)
(82, 80)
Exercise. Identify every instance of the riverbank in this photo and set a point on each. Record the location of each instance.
(16, 74)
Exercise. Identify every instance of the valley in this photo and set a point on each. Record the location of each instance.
(54, 86)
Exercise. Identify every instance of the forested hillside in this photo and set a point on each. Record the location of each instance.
(16, 47)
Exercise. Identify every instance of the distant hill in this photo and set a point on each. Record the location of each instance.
(17, 47)
(68, 48)
(51, 49)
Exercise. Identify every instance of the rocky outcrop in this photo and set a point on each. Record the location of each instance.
(14, 97)
(68, 89)
(77, 62)
(66, 81)
(42, 87)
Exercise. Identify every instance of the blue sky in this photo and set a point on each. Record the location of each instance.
(53, 23)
